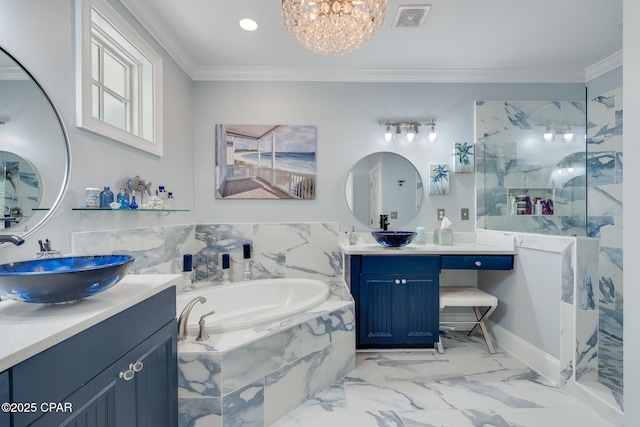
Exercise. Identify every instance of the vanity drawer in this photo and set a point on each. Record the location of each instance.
(404, 264)
(477, 262)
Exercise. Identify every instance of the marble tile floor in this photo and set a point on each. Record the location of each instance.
(464, 387)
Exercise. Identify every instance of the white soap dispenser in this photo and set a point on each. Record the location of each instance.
(353, 236)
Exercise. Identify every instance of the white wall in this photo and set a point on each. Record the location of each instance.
(631, 42)
(347, 116)
(40, 34)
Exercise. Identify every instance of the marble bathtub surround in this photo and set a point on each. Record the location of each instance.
(253, 377)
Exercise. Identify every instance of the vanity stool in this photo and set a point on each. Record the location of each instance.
(468, 296)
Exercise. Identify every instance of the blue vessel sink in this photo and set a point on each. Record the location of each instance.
(394, 239)
(65, 279)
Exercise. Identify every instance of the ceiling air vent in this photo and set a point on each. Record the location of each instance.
(411, 16)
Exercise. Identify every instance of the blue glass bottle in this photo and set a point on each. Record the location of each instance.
(133, 204)
(106, 198)
(123, 199)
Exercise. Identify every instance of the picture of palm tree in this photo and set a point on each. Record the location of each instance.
(438, 178)
(462, 157)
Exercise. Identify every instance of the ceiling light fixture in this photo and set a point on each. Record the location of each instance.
(409, 128)
(548, 135)
(248, 24)
(330, 27)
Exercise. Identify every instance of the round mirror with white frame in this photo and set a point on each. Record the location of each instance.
(384, 183)
(35, 156)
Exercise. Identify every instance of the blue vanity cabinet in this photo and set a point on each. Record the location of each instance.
(120, 372)
(397, 300)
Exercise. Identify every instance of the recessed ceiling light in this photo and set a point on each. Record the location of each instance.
(248, 24)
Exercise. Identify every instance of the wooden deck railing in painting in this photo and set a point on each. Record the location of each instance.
(296, 184)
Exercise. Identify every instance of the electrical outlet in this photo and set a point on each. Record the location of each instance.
(464, 214)
(394, 215)
(440, 214)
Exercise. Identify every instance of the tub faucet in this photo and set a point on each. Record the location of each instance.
(183, 320)
(16, 240)
(202, 334)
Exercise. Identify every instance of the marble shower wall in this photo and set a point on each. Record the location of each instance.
(513, 158)
(604, 220)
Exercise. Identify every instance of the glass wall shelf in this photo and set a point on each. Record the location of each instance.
(128, 210)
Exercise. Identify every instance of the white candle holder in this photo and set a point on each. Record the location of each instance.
(247, 269)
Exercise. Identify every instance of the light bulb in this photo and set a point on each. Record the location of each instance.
(568, 136)
(387, 133)
(411, 133)
(432, 133)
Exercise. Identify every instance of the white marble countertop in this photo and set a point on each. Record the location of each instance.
(463, 244)
(27, 329)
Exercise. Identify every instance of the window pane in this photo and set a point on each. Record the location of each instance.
(115, 75)
(95, 101)
(115, 111)
(95, 62)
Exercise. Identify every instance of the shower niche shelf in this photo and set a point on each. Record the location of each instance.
(515, 193)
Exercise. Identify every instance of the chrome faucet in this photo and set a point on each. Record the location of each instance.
(183, 320)
(16, 240)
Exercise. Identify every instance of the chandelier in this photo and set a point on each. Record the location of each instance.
(330, 27)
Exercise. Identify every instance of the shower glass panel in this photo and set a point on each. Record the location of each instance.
(531, 166)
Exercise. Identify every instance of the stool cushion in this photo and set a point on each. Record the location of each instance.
(465, 296)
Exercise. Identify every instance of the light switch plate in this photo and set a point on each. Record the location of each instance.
(394, 215)
(464, 214)
(440, 214)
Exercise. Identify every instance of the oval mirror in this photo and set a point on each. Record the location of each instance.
(35, 155)
(384, 184)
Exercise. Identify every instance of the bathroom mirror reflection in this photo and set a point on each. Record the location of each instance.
(384, 183)
(19, 189)
(34, 151)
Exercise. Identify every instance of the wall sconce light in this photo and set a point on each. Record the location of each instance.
(566, 132)
(432, 131)
(412, 129)
(388, 136)
(409, 128)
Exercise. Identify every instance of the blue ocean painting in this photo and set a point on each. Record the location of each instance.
(292, 161)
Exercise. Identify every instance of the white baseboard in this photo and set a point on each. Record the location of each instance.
(541, 362)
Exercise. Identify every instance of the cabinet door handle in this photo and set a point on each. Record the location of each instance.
(404, 281)
(397, 281)
(478, 263)
(127, 375)
(137, 367)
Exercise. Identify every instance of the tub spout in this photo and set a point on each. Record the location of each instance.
(183, 320)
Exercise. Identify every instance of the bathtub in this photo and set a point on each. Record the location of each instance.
(244, 305)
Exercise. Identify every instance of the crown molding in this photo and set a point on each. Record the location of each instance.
(604, 66)
(300, 74)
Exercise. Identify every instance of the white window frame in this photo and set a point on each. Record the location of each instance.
(146, 108)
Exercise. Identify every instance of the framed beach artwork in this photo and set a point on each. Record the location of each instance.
(438, 178)
(265, 161)
(463, 157)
